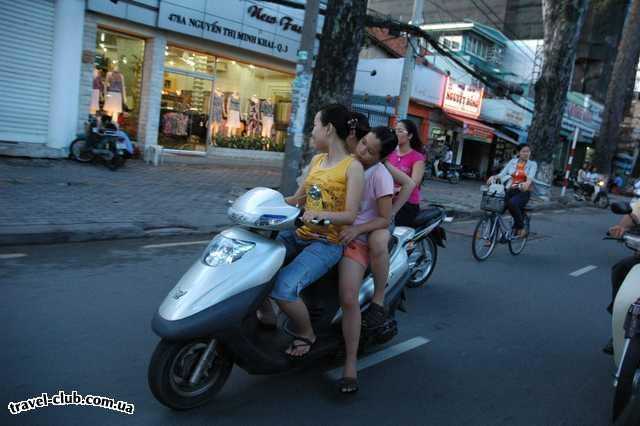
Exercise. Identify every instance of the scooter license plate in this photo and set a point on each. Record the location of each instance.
(120, 145)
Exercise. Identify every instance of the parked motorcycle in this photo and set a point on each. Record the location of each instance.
(208, 322)
(99, 144)
(436, 170)
(626, 337)
(599, 198)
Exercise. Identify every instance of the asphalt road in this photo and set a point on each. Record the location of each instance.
(512, 341)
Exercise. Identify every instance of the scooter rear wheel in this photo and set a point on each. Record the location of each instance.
(172, 365)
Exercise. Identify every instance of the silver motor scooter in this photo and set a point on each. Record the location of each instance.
(208, 321)
(625, 326)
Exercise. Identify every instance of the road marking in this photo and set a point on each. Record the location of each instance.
(583, 271)
(187, 243)
(12, 255)
(383, 355)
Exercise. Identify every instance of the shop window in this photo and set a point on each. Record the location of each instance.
(256, 106)
(118, 78)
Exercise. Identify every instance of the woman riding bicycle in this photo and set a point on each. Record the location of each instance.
(518, 177)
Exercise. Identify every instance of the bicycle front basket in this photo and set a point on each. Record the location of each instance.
(492, 202)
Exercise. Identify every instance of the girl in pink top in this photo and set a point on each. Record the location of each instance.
(409, 159)
(374, 214)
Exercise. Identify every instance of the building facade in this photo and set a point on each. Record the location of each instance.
(186, 75)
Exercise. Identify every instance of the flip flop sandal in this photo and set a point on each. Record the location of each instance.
(304, 342)
(348, 385)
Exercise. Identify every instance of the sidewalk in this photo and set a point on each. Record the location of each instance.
(50, 201)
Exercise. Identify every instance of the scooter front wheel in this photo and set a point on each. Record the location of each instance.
(628, 383)
(77, 151)
(181, 379)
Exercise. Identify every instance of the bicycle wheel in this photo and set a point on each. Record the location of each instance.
(516, 245)
(484, 238)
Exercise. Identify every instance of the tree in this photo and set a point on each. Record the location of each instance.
(562, 21)
(620, 87)
(334, 75)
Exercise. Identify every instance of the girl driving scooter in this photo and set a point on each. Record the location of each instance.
(332, 192)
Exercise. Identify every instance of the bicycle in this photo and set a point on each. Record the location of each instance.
(493, 228)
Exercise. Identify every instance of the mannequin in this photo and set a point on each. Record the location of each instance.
(253, 117)
(98, 91)
(217, 105)
(116, 93)
(233, 113)
(266, 114)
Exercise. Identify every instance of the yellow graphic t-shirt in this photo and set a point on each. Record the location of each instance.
(326, 190)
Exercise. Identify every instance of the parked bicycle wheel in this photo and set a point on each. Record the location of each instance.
(516, 245)
(484, 238)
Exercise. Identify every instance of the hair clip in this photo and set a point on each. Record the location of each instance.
(392, 130)
(353, 123)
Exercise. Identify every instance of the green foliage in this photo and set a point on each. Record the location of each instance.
(256, 143)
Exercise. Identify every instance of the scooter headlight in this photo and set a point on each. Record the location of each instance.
(600, 183)
(224, 251)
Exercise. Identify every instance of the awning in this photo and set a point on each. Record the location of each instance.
(506, 137)
(473, 129)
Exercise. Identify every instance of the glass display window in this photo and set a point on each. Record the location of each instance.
(117, 79)
(256, 102)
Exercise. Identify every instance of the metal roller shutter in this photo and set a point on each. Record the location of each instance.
(26, 52)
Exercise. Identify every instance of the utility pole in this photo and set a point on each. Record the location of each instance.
(406, 84)
(300, 98)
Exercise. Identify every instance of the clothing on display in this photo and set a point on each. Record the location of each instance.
(218, 107)
(233, 111)
(266, 114)
(115, 92)
(97, 91)
(184, 124)
(253, 118)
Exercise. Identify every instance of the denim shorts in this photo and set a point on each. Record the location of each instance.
(314, 258)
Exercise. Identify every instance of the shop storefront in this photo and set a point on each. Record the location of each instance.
(462, 105)
(186, 75)
(195, 77)
(510, 123)
(426, 93)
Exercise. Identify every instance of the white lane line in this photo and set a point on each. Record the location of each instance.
(383, 355)
(583, 271)
(12, 255)
(187, 243)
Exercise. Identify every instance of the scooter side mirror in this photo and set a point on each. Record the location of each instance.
(621, 208)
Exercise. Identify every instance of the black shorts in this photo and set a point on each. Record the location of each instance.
(407, 215)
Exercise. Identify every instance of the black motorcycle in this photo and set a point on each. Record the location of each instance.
(99, 144)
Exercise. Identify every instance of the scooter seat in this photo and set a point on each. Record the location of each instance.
(427, 217)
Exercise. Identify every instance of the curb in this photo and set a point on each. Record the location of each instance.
(85, 232)
(47, 234)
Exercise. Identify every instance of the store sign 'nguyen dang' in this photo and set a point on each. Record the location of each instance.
(462, 99)
(246, 24)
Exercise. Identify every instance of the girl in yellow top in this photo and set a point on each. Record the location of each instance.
(332, 191)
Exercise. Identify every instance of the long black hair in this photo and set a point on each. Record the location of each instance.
(388, 140)
(414, 140)
(339, 116)
(359, 123)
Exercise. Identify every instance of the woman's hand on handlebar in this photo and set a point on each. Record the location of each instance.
(491, 180)
(313, 217)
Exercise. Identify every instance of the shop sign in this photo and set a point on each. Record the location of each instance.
(462, 99)
(247, 24)
(579, 113)
(477, 133)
